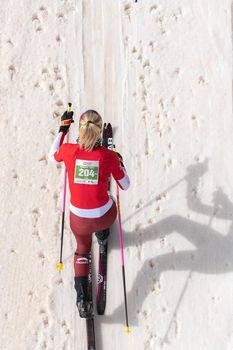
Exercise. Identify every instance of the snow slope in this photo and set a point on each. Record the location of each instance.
(161, 72)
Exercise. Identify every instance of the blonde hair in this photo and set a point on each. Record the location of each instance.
(90, 125)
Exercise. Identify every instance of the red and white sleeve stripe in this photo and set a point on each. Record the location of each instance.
(56, 144)
(125, 181)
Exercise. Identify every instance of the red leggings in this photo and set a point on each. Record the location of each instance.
(83, 228)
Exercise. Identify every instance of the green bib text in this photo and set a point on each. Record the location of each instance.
(86, 172)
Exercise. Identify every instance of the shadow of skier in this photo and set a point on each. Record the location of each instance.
(211, 253)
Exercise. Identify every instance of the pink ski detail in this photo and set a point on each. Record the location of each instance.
(100, 273)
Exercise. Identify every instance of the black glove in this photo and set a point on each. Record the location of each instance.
(120, 159)
(66, 120)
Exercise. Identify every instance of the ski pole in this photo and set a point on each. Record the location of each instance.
(127, 330)
(60, 265)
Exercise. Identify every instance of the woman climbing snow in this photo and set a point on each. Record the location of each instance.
(89, 166)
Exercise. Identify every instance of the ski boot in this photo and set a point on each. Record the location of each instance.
(84, 300)
(102, 236)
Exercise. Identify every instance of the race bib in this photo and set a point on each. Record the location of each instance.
(86, 172)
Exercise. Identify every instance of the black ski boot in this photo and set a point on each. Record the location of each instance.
(102, 236)
(84, 300)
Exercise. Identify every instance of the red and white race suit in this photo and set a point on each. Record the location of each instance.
(88, 173)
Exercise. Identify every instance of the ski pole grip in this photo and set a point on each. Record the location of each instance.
(67, 121)
(69, 107)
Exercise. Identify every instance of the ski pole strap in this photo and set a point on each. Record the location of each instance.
(65, 122)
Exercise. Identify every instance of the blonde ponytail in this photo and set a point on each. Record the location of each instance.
(90, 125)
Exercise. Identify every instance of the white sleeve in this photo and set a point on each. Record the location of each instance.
(55, 146)
(125, 181)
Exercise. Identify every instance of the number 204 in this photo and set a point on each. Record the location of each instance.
(86, 172)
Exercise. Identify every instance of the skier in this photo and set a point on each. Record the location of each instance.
(89, 166)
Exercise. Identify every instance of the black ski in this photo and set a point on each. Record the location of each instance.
(90, 333)
(102, 275)
(107, 141)
(90, 324)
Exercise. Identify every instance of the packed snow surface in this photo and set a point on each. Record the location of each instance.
(161, 72)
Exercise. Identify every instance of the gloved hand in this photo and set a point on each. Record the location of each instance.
(120, 159)
(66, 120)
